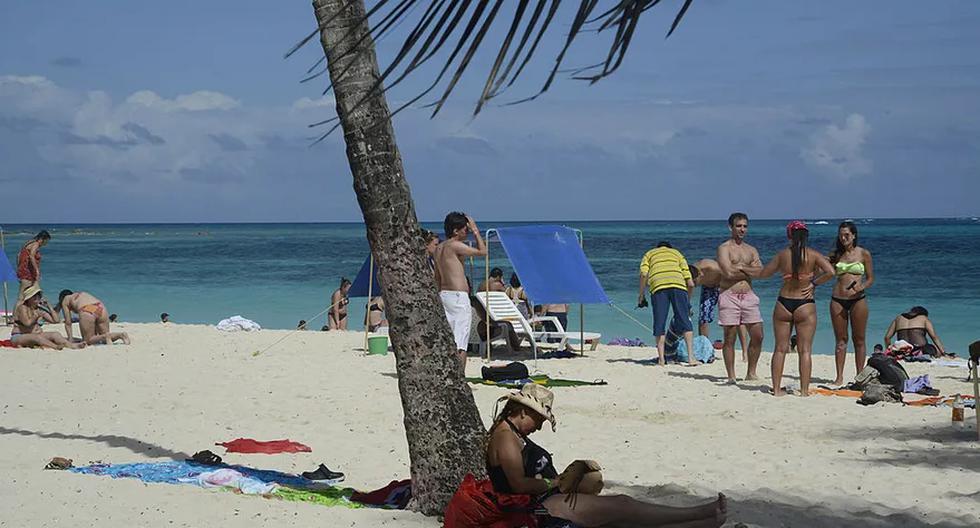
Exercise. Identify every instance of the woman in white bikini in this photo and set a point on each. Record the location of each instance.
(93, 318)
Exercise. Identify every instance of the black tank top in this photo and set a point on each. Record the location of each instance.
(537, 461)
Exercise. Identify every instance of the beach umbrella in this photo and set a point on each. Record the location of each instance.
(7, 273)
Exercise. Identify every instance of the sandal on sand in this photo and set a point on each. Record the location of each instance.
(206, 458)
(59, 463)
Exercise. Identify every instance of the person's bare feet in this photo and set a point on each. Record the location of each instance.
(777, 392)
(838, 382)
(77, 346)
(125, 338)
(721, 509)
(751, 377)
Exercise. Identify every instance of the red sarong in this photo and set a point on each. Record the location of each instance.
(476, 505)
(247, 445)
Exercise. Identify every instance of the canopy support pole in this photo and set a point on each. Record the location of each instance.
(367, 307)
(486, 296)
(581, 308)
(6, 308)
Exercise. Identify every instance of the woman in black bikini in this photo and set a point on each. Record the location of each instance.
(521, 475)
(795, 306)
(913, 326)
(337, 319)
(855, 273)
(376, 313)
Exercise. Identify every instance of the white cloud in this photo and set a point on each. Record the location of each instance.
(193, 102)
(837, 150)
(305, 103)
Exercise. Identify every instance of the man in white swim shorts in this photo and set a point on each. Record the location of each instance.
(454, 291)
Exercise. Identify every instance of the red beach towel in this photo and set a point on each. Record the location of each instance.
(247, 445)
(6, 343)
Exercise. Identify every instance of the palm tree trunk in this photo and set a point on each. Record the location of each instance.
(442, 423)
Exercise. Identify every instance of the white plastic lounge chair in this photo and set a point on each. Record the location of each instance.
(501, 308)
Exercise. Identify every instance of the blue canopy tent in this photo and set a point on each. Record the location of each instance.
(366, 284)
(552, 266)
(7, 273)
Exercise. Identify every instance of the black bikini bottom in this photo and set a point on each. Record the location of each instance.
(792, 304)
(847, 304)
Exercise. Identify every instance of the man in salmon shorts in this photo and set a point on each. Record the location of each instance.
(737, 303)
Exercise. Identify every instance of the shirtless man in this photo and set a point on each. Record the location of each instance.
(737, 303)
(496, 283)
(93, 318)
(454, 290)
(710, 281)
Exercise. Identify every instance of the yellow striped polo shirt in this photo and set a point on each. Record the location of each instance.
(665, 268)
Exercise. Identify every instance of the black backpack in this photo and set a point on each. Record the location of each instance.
(510, 371)
(890, 372)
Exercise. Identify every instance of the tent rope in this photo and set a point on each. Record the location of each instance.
(630, 317)
(283, 338)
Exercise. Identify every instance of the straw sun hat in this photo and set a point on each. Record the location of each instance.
(535, 397)
(31, 291)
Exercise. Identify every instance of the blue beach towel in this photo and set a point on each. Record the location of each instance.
(703, 351)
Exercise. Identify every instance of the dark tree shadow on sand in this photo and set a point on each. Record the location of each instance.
(952, 448)
(132, 444)
(781, 510)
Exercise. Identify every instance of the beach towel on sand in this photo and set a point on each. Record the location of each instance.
(248, 445)
(6, 343)
(234, 477)
(541, 379)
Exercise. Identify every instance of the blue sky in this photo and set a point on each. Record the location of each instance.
(185, 111)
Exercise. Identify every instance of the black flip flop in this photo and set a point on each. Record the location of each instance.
(205, 458)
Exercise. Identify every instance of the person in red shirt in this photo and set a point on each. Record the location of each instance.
(29, 263)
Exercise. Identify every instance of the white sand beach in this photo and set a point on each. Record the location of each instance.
(671, 434)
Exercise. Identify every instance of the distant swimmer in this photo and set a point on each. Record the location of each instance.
(93, 318)
(855, 273)
(737, 303)
(337, 318)
(795, 307)
(29, 263)
(454, 290)
(27, 332)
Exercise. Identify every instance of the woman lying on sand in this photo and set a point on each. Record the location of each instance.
(27, 332)
(795, 306)
(516, 466)
(93, 318)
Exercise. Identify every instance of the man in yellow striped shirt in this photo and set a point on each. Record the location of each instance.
(665, 271)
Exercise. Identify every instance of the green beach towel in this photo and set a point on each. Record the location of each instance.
(540, 379)
(331, 496)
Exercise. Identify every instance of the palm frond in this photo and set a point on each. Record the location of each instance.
(442, 23)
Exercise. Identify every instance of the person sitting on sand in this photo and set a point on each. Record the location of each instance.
(914, 326)
(376, 314)
(496, 282)
(301, 325)
(337, 319)
(518, 296)
(524, 484)
(113, 317)
(93, 318)
(27, 332)
(795, 307)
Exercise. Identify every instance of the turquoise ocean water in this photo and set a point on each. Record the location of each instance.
(277, 274)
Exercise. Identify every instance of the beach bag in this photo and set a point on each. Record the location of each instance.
(703, 350)
(876, 392)
(890, 372)
(868, 375)
(511, 371)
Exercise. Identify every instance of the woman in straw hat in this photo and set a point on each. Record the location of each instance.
(27, 332)
(522, 474)
(795, 307)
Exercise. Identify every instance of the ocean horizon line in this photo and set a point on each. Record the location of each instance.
(549, 221)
